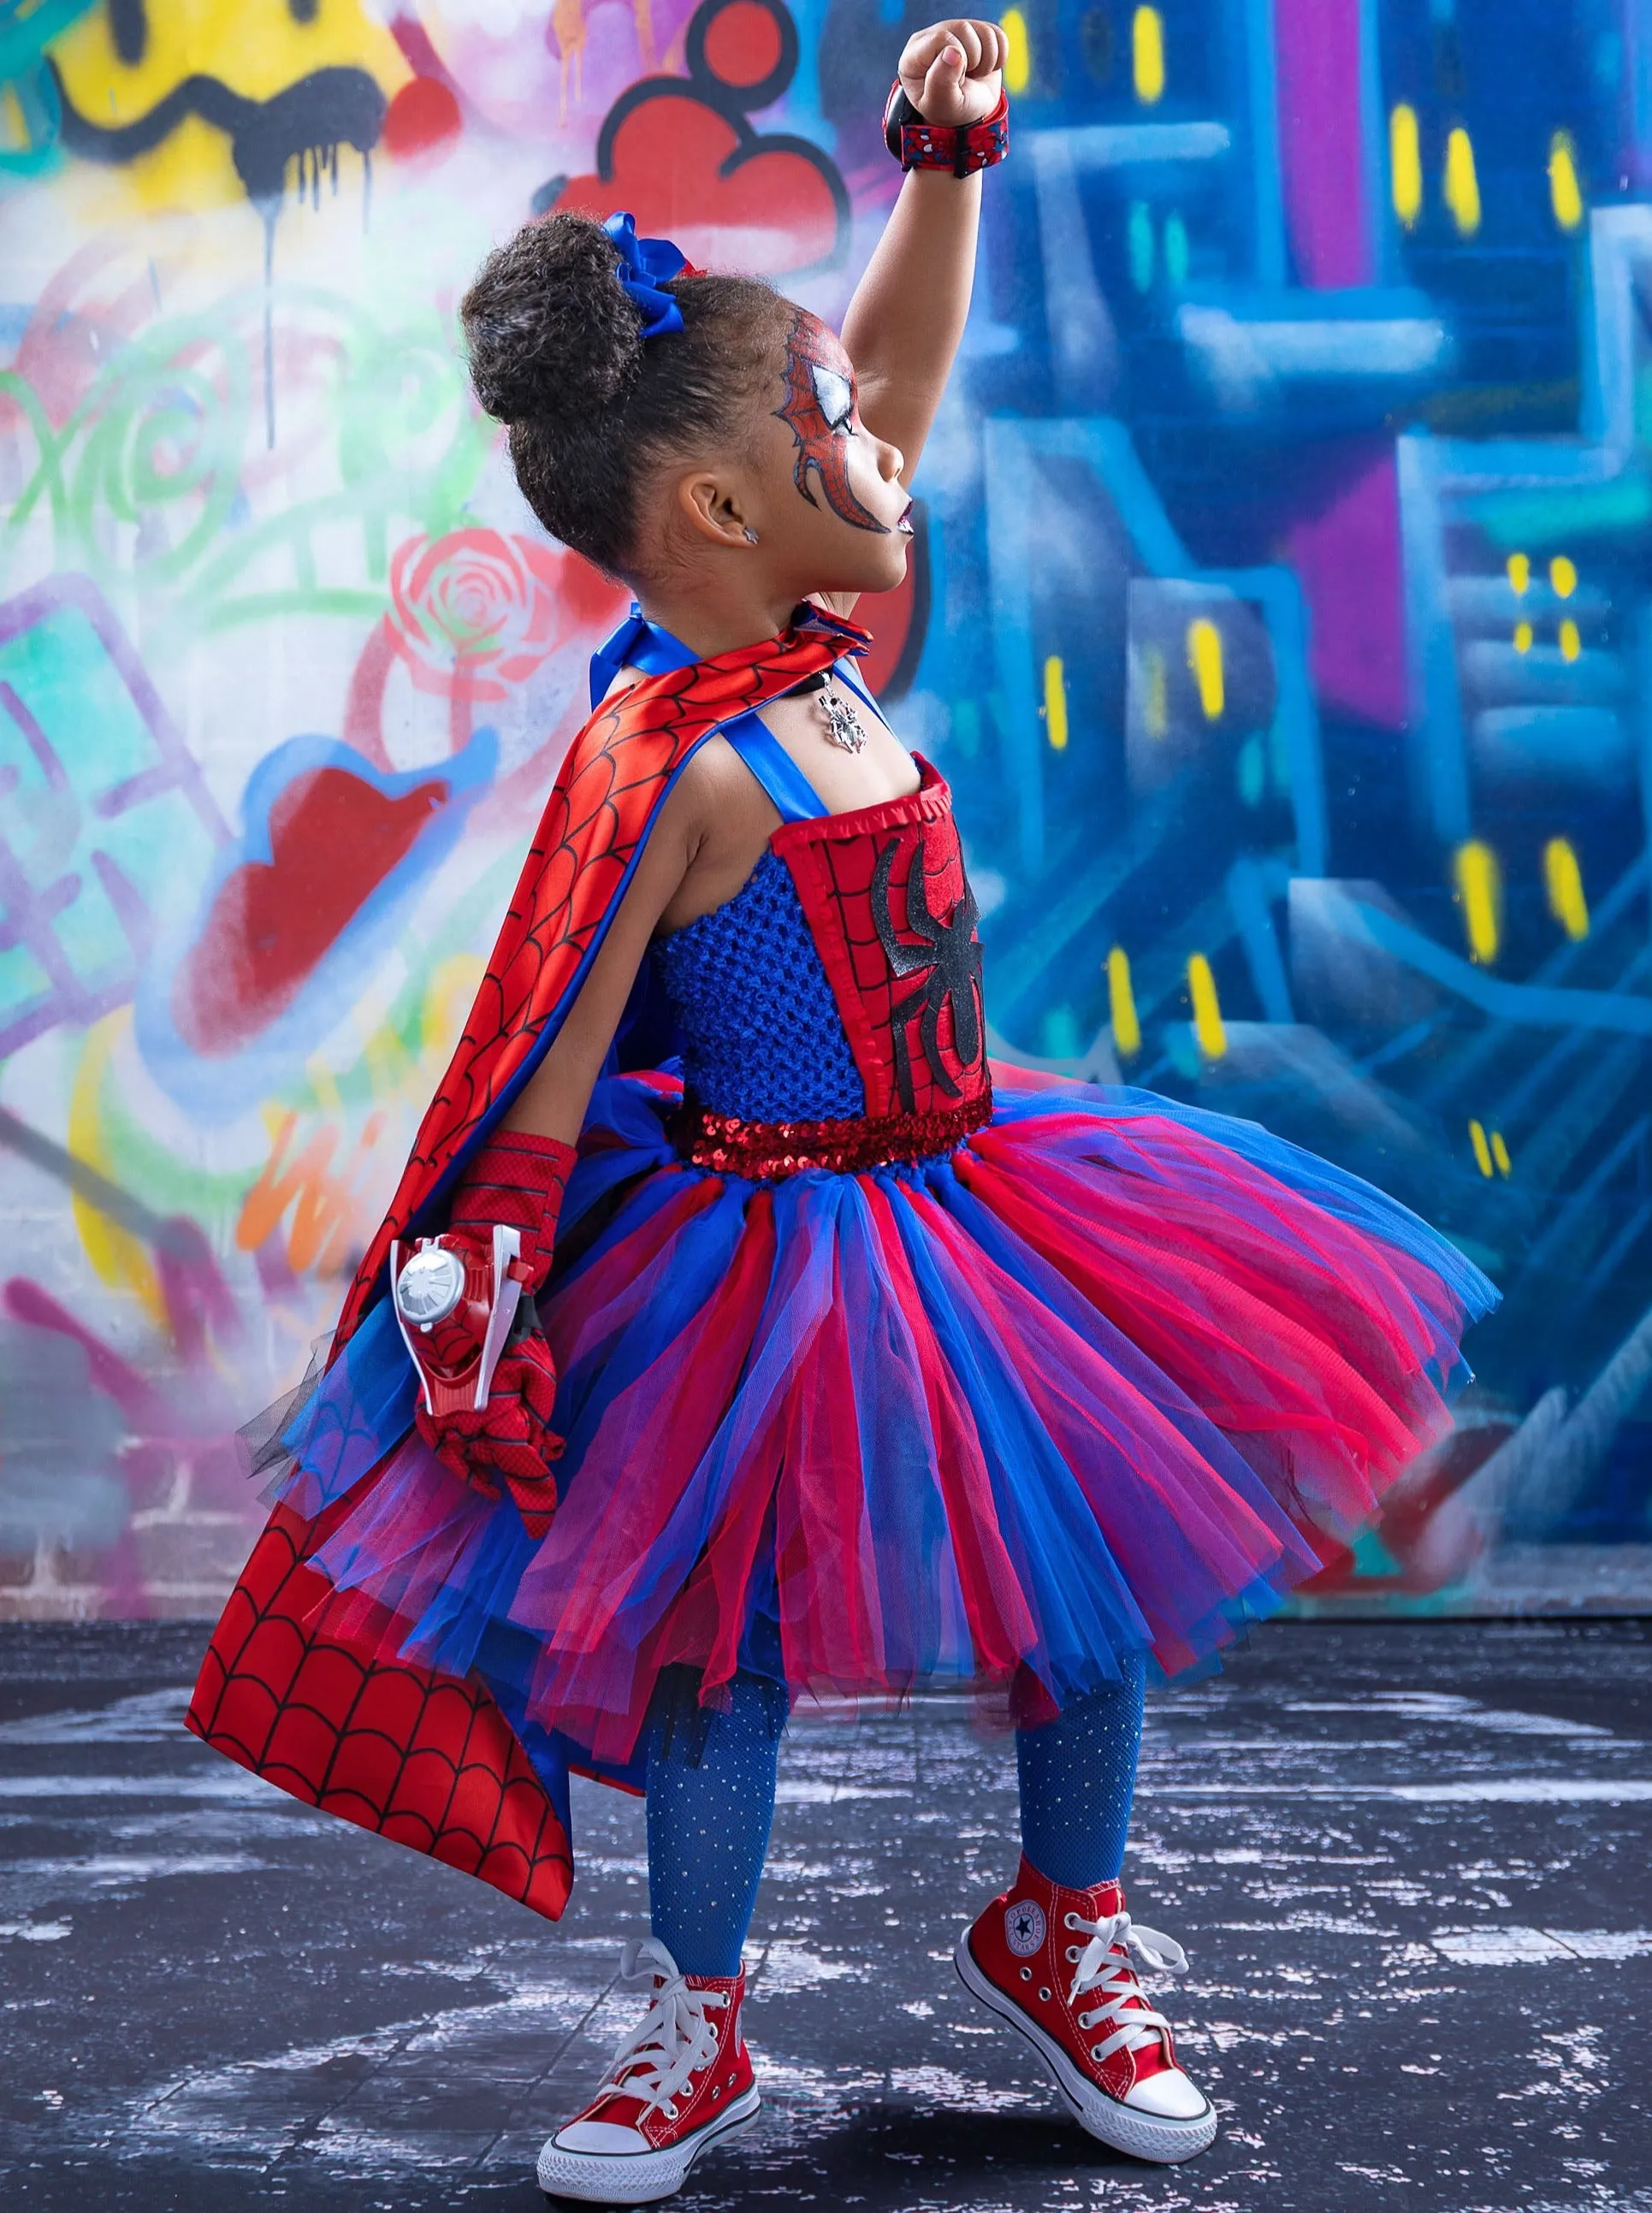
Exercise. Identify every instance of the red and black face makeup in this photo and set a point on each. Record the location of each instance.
(820, 412)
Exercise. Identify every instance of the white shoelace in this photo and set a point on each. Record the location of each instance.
(1099, 1967)
(674, 2038)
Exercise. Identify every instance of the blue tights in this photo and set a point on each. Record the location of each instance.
(710, 1802)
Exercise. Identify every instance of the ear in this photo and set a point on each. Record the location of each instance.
(712, 505)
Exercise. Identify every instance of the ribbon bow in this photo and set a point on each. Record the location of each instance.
(646, 264)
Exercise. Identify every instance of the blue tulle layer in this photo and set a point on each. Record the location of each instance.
(1087, 1390)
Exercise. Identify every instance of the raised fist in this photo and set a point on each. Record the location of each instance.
(952, 72)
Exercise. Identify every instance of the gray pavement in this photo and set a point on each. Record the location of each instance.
(1411, 1865)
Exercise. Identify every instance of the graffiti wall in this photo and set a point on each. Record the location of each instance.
(1282, 616)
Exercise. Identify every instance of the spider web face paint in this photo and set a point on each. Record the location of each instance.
(820, 412)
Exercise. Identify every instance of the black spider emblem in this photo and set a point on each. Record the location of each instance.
(949, 959)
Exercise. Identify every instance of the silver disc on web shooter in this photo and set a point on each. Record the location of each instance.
(842, 724)
(430, 1287)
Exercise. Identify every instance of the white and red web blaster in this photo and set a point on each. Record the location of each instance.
(456, 1306)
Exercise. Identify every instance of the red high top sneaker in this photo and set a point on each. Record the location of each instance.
(682, 2083)
(1057, 1965)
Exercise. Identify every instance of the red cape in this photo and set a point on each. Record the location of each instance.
(292, 1689)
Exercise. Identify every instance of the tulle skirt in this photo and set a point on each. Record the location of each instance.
(1089, 1388)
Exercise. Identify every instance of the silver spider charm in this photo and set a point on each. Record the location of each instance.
(843, 723)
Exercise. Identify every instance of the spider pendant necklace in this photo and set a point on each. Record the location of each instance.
(843, 726)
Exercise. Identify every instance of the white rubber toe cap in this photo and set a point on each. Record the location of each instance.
(1169, 2096)
(606, 2138)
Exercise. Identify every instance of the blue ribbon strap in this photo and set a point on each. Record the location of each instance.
(646, 264)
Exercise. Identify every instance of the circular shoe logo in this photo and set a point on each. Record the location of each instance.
(1023, 1927)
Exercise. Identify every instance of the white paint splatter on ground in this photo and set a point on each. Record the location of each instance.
(1447, 1707)
(1503, 1947)
(783, 1969)
(148, 1717)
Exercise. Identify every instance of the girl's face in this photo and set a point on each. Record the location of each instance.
(833, 513)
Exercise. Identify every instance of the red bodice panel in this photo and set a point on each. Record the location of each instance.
(893, 920)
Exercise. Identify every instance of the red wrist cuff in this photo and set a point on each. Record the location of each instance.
(516, 1179)
(963, 149)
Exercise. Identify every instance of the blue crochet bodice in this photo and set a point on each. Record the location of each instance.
(763, 1038)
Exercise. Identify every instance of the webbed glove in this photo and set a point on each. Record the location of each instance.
(465, 1303)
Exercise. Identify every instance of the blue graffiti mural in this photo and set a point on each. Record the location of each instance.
(1284, 626)
(1309, 730)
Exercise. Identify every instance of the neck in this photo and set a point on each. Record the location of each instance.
(711, 618)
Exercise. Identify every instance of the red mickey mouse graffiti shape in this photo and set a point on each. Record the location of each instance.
(682, 154)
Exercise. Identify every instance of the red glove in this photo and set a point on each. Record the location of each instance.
(457, 1298)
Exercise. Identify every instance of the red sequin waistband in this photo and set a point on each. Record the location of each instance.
(765, 1151)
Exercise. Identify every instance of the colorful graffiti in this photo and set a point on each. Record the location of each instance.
(1282, 615)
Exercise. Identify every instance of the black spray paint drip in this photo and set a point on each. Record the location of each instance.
(306, 122)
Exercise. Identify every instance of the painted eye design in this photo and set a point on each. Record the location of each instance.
(836, 395)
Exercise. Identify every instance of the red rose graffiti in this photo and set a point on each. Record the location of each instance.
(475, 612)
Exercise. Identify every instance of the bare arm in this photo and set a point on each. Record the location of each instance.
(908, 312)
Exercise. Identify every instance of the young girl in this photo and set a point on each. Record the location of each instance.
(736, 1334)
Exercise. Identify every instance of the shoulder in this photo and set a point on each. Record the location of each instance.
(712, 775)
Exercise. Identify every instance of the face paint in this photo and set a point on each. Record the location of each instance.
(820, 412)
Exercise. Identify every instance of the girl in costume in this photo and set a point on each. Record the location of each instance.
(736, 1332)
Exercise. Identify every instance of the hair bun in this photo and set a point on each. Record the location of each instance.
(549, 329)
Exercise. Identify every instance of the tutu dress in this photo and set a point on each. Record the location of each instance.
(878, 1365)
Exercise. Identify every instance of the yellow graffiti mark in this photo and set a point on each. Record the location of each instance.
(1565, 193)
(1208, 1025)
(1204, 659)
(1055, 702)
(117, 1258)
(1520, 573)
(1018, 62)
(1490, 1150)
(1522, 637)
(1564, 880)
(1147, 55)
(1571, 640)
(325, 1085)
(323, 1203)
(388, 1063)
(1479, 893)
(1121, 1005)
(253, 51)
(1562, 575)
(15, 136)
(1482, 1150)
(1406, 164)
(447, 998)
(1462, 187)
(568, 23)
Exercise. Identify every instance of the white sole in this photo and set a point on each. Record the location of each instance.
(1144, 2136)
(641, 2178)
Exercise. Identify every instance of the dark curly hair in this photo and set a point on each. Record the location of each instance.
(556, 353)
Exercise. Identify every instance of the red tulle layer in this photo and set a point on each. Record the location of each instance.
(1087, 1387)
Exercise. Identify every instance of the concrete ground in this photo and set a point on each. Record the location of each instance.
(1411, 1865)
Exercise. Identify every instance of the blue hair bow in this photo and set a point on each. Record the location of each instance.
(646, 264)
